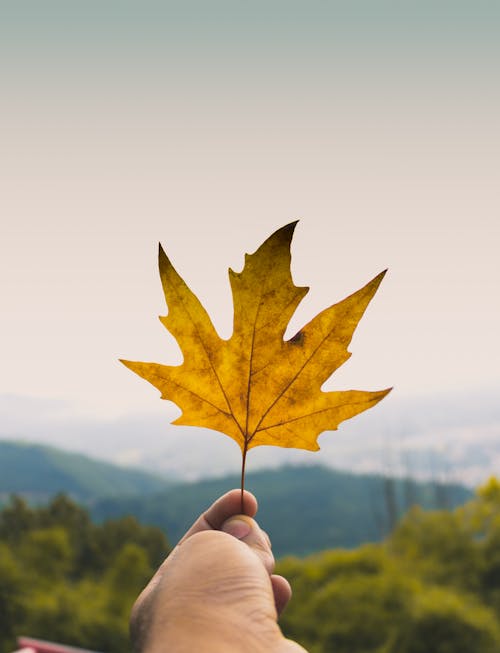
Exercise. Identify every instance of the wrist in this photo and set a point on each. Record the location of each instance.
(205, 630)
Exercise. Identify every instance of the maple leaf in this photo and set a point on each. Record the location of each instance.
(256, 387)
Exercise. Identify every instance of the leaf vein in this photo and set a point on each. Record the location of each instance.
(315, 412)
(195, 324)
(293, 379)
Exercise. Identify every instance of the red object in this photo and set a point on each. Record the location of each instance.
(40, 646)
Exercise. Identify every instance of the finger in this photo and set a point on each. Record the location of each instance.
(282, 592)
(247, 530)
(226, 506)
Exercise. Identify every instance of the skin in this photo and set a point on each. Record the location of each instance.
(216, 592)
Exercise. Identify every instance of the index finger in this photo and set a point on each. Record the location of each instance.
(226, 506)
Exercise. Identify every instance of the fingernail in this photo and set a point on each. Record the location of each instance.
(237, 528)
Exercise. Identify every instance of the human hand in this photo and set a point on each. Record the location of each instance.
(216, 591)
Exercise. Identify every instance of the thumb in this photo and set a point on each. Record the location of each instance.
(247, 530)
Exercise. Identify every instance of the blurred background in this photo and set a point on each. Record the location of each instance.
(206, 126)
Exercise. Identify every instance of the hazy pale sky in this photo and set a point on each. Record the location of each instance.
(206, 126)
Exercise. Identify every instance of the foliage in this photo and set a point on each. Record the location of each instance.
(64, 578)
(256, 387)
(431, 587)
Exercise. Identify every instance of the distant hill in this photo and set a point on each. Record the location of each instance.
(38, 472)
(304, 509)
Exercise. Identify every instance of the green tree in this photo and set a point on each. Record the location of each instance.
(65, 579)
(432, 587)
(11, 591)
(47, 555)
(443, 621)
(354, 604)
(442, 545)
(16, 519)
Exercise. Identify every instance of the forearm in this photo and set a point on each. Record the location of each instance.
(202, 630)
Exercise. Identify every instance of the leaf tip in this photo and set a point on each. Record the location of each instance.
(287, 230)
(127, 363)
(378, 278)
(382, 393)
(373, 285)
(163, 259)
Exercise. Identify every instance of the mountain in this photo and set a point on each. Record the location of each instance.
(38, 472)
(304, 509)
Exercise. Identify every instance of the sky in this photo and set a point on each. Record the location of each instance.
(208, 125)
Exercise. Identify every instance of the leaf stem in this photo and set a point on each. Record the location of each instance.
(243, 461)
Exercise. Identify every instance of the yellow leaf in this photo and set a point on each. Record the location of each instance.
(256, 387)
